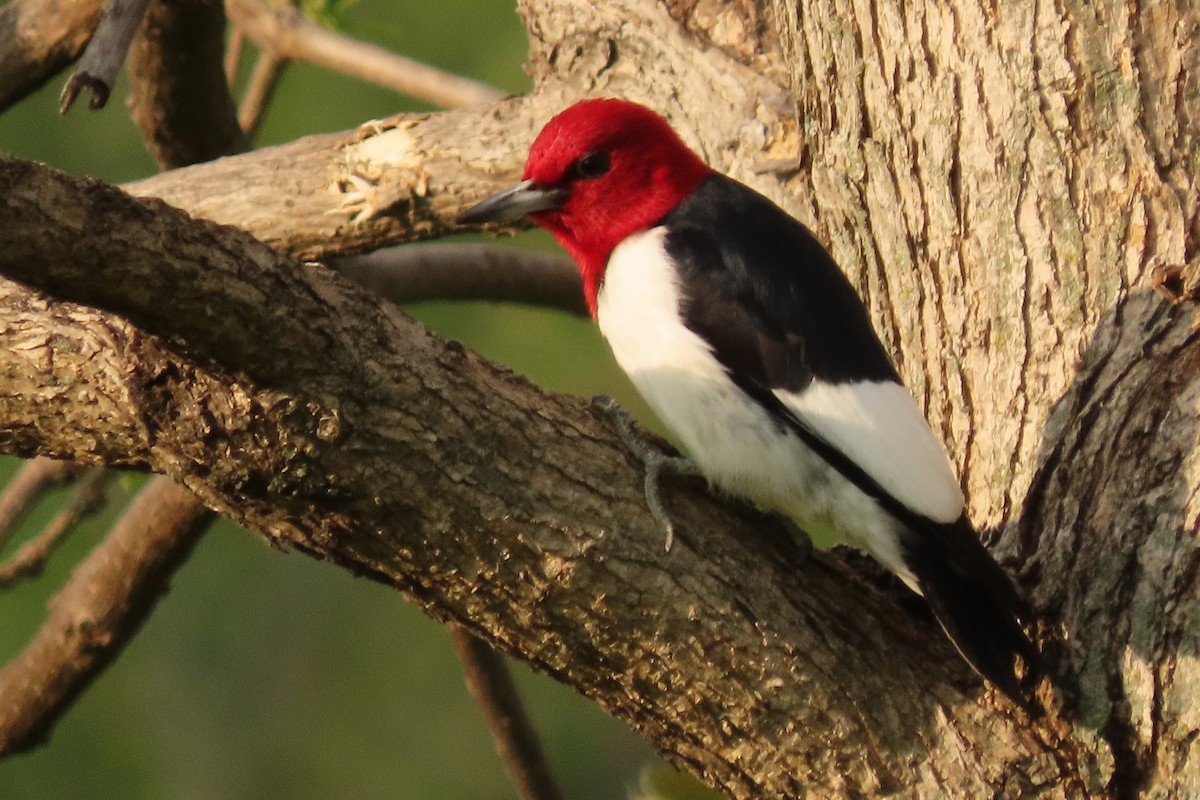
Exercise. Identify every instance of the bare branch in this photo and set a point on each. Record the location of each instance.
(233, 53)
(88, 498)
(516, 741)
(161, 235)
(38, 38)
(263, 80)
(406, 178)
(398, 180)
(33, 479)
(99, 609)
(179, 97)
(101, 62)
(284, 31)
(467, 272)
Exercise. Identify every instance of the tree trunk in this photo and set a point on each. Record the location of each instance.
(1001, 184)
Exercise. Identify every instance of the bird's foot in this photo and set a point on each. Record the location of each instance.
(654, 461)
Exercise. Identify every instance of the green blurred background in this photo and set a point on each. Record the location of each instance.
(269, 675)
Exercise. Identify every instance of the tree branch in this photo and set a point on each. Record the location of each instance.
(516, 741)
(26, 486)
(467, 272)
(390, 182)
(285, 33)
(259, 89)
(372, 444)
(99, 609)
(179, 98)
(88, 498)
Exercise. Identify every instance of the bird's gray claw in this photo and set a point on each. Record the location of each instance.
(654, 462)
(603, 404)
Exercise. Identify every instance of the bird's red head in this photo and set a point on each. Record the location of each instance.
(621, 168)
(597, 173)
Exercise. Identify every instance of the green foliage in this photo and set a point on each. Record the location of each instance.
(663, 783)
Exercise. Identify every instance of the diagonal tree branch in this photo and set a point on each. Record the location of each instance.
(260, 87)
(26, 486)
(100, 608)
(516, 741)
(370, 443)
(87, 498)
(285, 33)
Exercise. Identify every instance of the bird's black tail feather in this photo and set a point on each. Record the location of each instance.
(978, 607)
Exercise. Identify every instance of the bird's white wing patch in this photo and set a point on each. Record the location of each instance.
(879, 426)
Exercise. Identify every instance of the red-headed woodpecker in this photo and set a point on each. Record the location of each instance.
(741, 332)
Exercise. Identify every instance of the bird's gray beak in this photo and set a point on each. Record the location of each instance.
(513, 203)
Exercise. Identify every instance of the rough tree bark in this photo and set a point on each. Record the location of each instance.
(1005, 181)
(1001, 183)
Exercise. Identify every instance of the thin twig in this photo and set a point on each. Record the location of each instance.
(25, 488)
(88, 498)
(516, 741)
(101, 62)
(284, 31)
(467, 272)
(99, 609)
(233, 53)
(263, 80)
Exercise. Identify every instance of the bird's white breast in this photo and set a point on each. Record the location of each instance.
(736, 443)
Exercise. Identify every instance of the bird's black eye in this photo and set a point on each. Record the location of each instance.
(590, 165)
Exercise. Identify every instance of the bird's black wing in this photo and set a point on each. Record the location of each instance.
(781, 318)
(766, 294)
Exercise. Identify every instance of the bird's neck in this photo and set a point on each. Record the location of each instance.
(590, 262)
